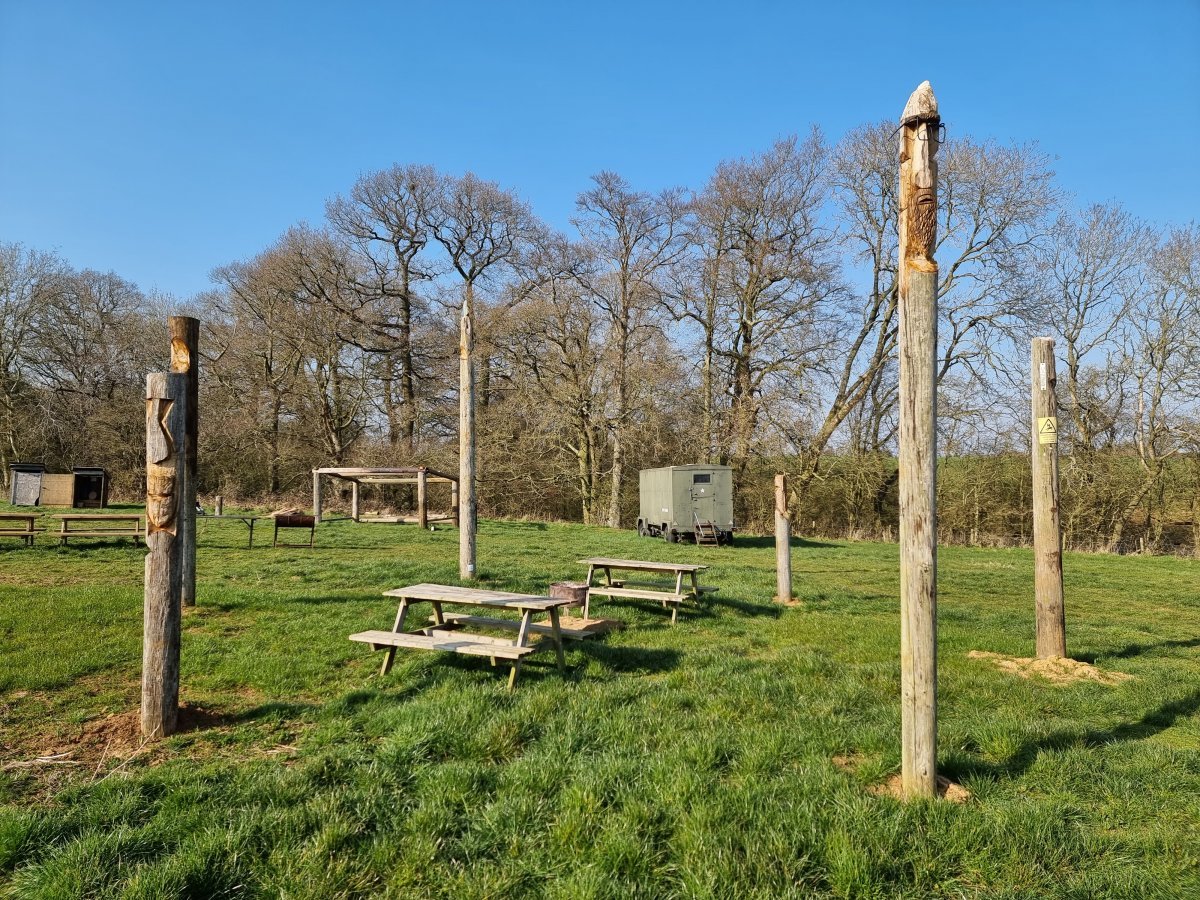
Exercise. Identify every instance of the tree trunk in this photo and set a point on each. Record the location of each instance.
(467, 496)
(1047, 532)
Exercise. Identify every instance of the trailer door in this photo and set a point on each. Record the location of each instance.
(704, 504)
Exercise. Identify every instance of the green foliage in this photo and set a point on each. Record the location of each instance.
(729, 756)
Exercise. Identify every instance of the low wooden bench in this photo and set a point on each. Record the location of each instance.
(118, 526)
(664, 593)
(27, 533)
(445, 631)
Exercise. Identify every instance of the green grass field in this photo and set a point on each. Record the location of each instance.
(732, 755)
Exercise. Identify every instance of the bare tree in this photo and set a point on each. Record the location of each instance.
(483, 230)
(386, 220)
(26, 277)
(635, 237)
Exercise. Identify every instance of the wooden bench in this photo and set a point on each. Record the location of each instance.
(26, 533)
(294, 520)
(119, 526)
(445, 631)
(664, 593)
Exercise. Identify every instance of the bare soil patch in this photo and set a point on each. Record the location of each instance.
(1057, 670)
(946, 790)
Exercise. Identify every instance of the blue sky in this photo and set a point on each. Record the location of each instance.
(161, 140)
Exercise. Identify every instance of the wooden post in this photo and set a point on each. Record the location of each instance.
(316, 497)
(1047, 531)
(783, 542)
(185, 360)
(422, 511)
(219, 505)
(354, 500)
(918, 284)
(454, 501)
(166, 471)
(466, 439)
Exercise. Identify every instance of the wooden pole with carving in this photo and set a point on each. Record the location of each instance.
(783, 542)
(1047, 528)
(166, 471)
(185, 358)
(467, 497)
(918, 285)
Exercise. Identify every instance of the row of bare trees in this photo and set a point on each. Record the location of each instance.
(750, 321)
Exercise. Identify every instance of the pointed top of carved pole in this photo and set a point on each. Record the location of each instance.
(921, 106)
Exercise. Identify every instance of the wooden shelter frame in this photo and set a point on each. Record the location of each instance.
(421, 476)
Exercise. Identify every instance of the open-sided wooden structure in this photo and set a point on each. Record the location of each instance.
(421, 476)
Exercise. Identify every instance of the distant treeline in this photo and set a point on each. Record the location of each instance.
(750, 321)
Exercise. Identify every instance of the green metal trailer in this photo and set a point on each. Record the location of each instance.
(693, 501)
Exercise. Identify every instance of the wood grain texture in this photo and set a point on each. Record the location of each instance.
(1047, 528)
(185, 358)
(467, 497)
(166, 409)
(918, 286)
(783, 541)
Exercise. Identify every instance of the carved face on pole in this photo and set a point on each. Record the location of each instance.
(920, 131)
(161, 488)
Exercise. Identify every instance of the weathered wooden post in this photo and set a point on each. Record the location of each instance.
(783, 542)
(918, 284)
(219, 506)
(316, 496)
(422, 511)
(166, 471)
(1047, 531)
(185, 359)
(354, 500)
(468, 501)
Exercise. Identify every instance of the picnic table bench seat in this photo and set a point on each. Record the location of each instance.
(446, 631)
(643, 587)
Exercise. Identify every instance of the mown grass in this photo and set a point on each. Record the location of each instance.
(729, 756)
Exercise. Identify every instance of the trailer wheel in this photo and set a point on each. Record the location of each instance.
(671, 536)
(642, 528)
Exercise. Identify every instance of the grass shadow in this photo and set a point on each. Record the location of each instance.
(1153, 722)
(1139, 649)
(640, 660)
(765, 541)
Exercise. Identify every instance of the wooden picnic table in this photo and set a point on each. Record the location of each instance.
(246, 520)
(120, 526)
(445, 630)
(27, 533)
(646, 590)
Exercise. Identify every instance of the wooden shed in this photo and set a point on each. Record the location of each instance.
(85, 487)
(25, 481)
(421, 476)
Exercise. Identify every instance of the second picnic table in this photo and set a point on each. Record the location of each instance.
(445, 632)
(118, 526)
(615, 587)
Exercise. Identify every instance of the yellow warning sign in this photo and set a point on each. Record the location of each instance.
(1047, 430)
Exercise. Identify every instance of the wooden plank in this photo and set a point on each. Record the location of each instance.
(448, 644)
(575, 628)
(642, 565)
(445, 593)
(665, 596)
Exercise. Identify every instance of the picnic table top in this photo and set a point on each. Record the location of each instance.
(19, 515)
(243, 518)
(641, 565)
(124, 517)
(444, 593)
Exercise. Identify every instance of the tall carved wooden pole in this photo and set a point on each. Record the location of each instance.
(185, 358)
(918, 283)
(166, 470)
(467, 497)
(1047, 529)
(783, 542)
